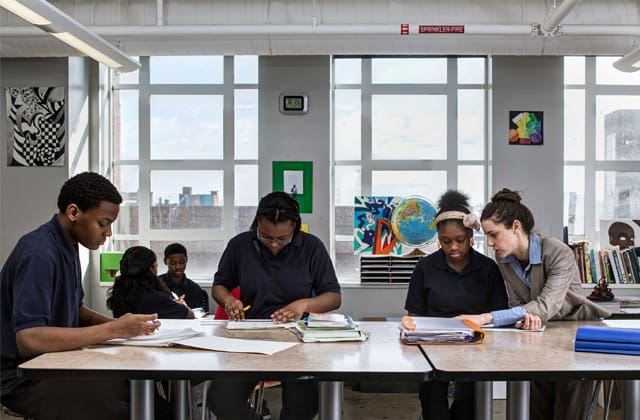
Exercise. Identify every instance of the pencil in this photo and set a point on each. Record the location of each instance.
(246, 308)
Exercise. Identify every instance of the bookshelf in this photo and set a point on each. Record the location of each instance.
(620, 267)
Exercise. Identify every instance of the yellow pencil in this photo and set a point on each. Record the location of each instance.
(246, 308)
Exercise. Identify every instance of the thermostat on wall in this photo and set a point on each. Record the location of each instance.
(294, 103)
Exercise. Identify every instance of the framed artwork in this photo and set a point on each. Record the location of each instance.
(296, 179)
(525, 127)
(372, 233)
(109, 266)
(36, 126)
(622, 233)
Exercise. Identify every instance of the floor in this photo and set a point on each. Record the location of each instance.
(395, 406)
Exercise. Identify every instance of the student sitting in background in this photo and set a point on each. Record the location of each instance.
(454, 280)
(175, 258)
(139, 290)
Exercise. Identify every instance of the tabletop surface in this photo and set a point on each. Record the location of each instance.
(381, 357)
(550, 354)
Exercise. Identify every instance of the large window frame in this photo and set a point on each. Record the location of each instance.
(590, 165)
(368, 165)
(227, 164)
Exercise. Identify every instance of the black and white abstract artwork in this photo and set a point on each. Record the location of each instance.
(36, 117)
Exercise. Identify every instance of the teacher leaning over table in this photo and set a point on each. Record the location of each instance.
(543, 283)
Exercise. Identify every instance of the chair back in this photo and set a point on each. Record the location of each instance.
(220, 313)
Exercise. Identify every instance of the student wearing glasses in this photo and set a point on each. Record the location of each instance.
(278, 269)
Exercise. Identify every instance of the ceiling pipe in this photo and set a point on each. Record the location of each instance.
(123, 32)
(630, 62)
(551, 24)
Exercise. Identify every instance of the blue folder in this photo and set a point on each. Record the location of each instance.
(608, 340)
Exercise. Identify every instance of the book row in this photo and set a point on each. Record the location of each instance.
(616, 266)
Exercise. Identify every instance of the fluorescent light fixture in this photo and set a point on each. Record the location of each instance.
(53, 21)
(630, 62)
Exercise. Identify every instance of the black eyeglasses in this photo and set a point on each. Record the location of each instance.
(268, 240)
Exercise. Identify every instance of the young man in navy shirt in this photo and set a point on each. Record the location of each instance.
(188, 291)
(42, 308)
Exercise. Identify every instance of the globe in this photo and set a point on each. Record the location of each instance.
(413, 221)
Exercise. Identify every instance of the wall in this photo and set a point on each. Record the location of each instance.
(28, 195)
(298, 137)
(535, 84)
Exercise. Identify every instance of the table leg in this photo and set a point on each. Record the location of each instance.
(518, 400)
(330, 396)
(630, 398)
(180, 399)
(142, 403)
(484, 400)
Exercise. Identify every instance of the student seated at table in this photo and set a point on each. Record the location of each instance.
(454, 280)
(175, 258)
(543, 282)
(277, 268)
(42, 309)
(139, 290)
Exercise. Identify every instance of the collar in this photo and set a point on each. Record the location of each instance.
(69, 250)
(535, 252)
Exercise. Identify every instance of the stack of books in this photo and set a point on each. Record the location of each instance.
(597, 339)
(328, 327)
(432, 330)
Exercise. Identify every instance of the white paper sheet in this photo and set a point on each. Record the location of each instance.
(258, 324)
(235, 345)
(491, 327)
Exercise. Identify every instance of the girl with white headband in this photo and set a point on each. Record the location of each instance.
(454, 280)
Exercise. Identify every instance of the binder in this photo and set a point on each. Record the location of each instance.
(433, 330)
(608, 340)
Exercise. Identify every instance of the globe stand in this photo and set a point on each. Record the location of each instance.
(416, 252)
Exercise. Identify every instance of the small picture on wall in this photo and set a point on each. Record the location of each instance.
(294, 182)
(36, 126)
(525, 127)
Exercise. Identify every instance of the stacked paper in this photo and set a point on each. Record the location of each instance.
(607, 340)
(433, 330)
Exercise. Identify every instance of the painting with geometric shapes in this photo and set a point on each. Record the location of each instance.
(525, 127)
(36, 126)
(372, 232)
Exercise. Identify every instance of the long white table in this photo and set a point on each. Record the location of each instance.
(519, 357)
(382, 357)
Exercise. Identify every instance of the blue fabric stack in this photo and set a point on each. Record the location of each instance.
(608, 340)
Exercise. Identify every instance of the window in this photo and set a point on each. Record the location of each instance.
(405, 126)
(187, 174)
(602, 145)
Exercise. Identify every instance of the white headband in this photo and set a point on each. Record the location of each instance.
(469, 220)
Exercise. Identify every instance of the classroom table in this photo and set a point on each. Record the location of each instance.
(381, 357)
(519, 357)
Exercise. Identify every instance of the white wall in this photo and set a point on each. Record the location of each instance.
(535, 84)
(28, 195)
(298, 137)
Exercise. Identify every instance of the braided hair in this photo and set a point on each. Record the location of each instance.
(278, 207)
(505, 207)
(135, 276)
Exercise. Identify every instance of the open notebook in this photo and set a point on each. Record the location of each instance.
(190, 338)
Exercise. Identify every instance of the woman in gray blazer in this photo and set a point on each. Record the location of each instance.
(543, 283)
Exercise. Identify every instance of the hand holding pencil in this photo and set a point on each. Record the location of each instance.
(235, 309)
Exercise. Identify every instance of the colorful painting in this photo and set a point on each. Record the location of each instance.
(372, 232)
(525, 127)
(37, 130)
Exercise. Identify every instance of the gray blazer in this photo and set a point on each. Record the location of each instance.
(556, 291)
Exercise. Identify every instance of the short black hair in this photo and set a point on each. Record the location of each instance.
(87, 190)
(175, 248)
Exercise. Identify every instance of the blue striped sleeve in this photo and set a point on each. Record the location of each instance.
(508, 316)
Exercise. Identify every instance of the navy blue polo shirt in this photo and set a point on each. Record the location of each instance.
(300, 267)
(157, 302)
(40, 285)
(437, 290)
(190, 289)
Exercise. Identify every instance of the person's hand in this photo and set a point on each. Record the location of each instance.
(291, 312)
(131, 325)
(529, 322)
(480, 319)
(233, 308)
(181, 300)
